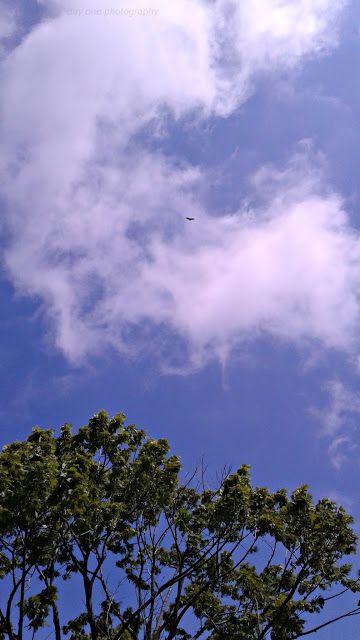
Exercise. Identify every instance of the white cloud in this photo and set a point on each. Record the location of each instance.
(343, 405)
(265, 35)
(96, 221)
(291, 272)
(103, 261)
(339, 419)
(340, 451)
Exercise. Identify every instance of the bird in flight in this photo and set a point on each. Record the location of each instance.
(189, 218)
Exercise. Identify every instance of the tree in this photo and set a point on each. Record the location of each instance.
(102, 515)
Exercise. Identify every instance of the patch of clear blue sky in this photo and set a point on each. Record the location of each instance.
(256, 410)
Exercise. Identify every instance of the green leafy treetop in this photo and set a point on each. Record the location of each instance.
(158, 559)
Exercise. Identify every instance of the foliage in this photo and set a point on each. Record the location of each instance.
(103, 516)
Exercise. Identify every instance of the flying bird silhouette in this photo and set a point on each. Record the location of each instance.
(189, 218)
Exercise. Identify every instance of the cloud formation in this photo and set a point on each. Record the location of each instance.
(95, 217)
(290, 270)
(8, 25)
(339, 419)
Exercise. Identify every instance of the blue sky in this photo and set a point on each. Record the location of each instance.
(236, 335)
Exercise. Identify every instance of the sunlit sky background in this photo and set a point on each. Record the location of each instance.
(236, 335)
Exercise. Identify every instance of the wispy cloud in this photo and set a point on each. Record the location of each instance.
(96, 219)
(343, 405)
(8, 26)
(339, 420)
(340, 450)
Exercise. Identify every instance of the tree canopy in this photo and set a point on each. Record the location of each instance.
(102, 538)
